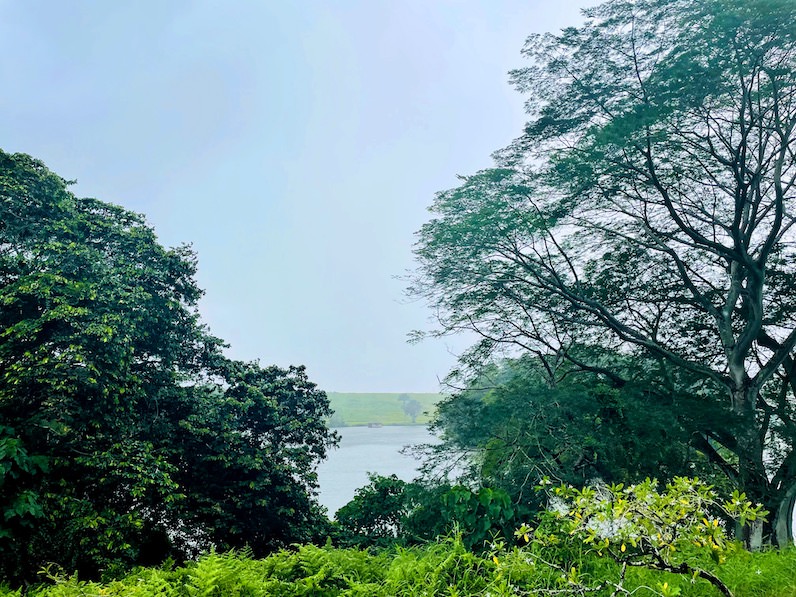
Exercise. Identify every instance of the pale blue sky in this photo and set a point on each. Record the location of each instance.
(295, 144)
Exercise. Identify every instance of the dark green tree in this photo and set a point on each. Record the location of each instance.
(111, 390)
(389, 511)
(377, 515)
(511, 426)
(648, 210)
(246, 449)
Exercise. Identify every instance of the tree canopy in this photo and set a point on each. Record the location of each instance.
(125, 434)
(512, 427)
(646, 212)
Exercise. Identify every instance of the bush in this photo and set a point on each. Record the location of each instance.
(389, 511)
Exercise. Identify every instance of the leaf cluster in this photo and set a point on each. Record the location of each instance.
(674, 530)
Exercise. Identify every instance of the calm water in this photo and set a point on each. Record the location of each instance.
(363, 450)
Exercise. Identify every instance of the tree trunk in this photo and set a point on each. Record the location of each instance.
(751, 470)
(752, 535)
(783, 518)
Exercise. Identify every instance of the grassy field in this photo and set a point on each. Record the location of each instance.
(385, 409)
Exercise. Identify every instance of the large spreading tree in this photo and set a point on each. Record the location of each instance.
(646, 214)
(125, 435)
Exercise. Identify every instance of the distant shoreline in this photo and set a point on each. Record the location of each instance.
(382, 409)
(408, 424)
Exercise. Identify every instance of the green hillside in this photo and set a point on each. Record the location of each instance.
(385, 409)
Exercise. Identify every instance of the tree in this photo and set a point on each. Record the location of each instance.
(510, 427)
(377, 515)
(412, 408)
(247, 449)
(117, 408)
(647, 210)
(389, 511)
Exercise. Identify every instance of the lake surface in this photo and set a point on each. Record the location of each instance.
(366, 450)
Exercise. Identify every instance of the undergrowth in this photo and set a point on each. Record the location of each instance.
(445, 568)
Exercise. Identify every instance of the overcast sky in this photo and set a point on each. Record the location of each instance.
(295, 143)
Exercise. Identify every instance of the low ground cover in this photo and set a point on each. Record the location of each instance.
(442, 568)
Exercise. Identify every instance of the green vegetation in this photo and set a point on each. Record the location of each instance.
(680, 529)
(598, 541)
(638, 241)
(389, 512)
(125, 435)
(441, 569)
(352, 409)
(630, 268)
(582, 428)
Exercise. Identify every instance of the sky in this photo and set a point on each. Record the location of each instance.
(295, 144)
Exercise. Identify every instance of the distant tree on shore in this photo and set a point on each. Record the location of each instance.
(410, 406)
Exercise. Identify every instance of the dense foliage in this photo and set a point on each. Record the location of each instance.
(677, 529)
(441, 569)
(125, 435)
(641, 230)
(389, 512)
(511, 426)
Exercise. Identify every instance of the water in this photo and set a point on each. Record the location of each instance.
(366, 450)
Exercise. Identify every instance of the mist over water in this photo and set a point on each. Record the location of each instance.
(366, 450)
